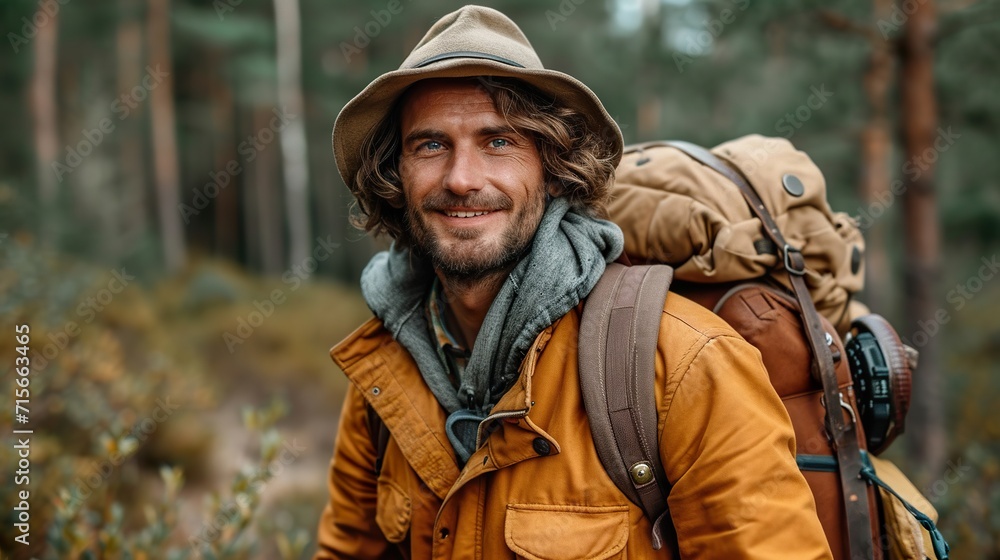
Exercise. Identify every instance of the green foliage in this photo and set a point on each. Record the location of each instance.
(95, 380)
(238, 30)
(113, 401)
(967, 495)
(83, 532)
(99, 530)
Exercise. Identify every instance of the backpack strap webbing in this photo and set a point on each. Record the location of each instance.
(843, 433)
(619, 332)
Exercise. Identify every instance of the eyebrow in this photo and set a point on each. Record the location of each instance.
(495, 130)
(438, 135)
(424, 134)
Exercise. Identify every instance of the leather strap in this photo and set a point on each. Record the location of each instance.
(844, 433)
(619, 334)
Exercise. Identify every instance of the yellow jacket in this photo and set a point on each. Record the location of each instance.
(536, 488)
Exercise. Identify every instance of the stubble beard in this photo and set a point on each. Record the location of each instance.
(475, 265)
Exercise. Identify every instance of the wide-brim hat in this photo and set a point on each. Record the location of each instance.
(472, 41)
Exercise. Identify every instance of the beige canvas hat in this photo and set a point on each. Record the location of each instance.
(472, 41)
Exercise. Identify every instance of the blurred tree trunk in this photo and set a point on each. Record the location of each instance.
(165, 158)
(648, 117)
(649, 97)
(248, 197)
(131, 140)
(44, 112)
(294, 148)
(876, 151)
(226, 205)
(331, 201)
(266, 198)
(919, 128)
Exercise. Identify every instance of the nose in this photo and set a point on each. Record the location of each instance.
(464, 173)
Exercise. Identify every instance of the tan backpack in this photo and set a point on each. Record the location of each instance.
(753, 239)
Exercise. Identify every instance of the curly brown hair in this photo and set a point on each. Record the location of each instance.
(577, 162)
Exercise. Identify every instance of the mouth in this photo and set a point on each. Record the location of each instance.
(465, 213)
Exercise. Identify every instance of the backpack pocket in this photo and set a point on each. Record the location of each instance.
(562, 532)
(909, 518)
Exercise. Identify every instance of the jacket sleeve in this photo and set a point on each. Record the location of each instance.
(729, 450)
(347, 527)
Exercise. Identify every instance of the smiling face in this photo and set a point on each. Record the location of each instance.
(474, 186)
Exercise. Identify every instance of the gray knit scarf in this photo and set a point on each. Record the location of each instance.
(568, 255)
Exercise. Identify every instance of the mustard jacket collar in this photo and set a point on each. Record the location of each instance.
(385, 373)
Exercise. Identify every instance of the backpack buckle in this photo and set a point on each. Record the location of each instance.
(796, 267)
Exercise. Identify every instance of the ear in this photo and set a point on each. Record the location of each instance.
(397, 199)
(397, 202)
(554, 189)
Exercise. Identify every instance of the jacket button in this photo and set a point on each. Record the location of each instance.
(541, 446)
(443, 533)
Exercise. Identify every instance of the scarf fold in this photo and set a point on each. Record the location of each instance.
(568, 254)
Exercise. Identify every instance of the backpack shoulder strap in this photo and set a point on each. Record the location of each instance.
(619, 332)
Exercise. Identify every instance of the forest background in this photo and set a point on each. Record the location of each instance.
(174, 232)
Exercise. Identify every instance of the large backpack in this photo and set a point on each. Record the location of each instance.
(766, 288)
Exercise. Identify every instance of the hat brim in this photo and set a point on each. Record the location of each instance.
(368, 108)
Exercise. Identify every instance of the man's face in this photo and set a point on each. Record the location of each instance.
(474, 187)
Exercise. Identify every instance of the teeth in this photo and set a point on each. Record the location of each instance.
(465, 214)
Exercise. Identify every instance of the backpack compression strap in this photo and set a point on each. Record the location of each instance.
(844, 434)
(619, 333)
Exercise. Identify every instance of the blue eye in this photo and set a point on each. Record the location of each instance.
(432, 145)
(498, 143)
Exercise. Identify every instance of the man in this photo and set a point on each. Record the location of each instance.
(490, 173)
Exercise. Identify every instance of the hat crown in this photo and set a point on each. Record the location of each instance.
(474, 32)
(470, 42)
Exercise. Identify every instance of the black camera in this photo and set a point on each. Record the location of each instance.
(881, 369)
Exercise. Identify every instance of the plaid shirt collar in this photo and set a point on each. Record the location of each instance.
(452, 353)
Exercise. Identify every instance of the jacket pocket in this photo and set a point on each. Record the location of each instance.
(554, 532)
(392, 510)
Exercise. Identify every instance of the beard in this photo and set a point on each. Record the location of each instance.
(471, 256)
